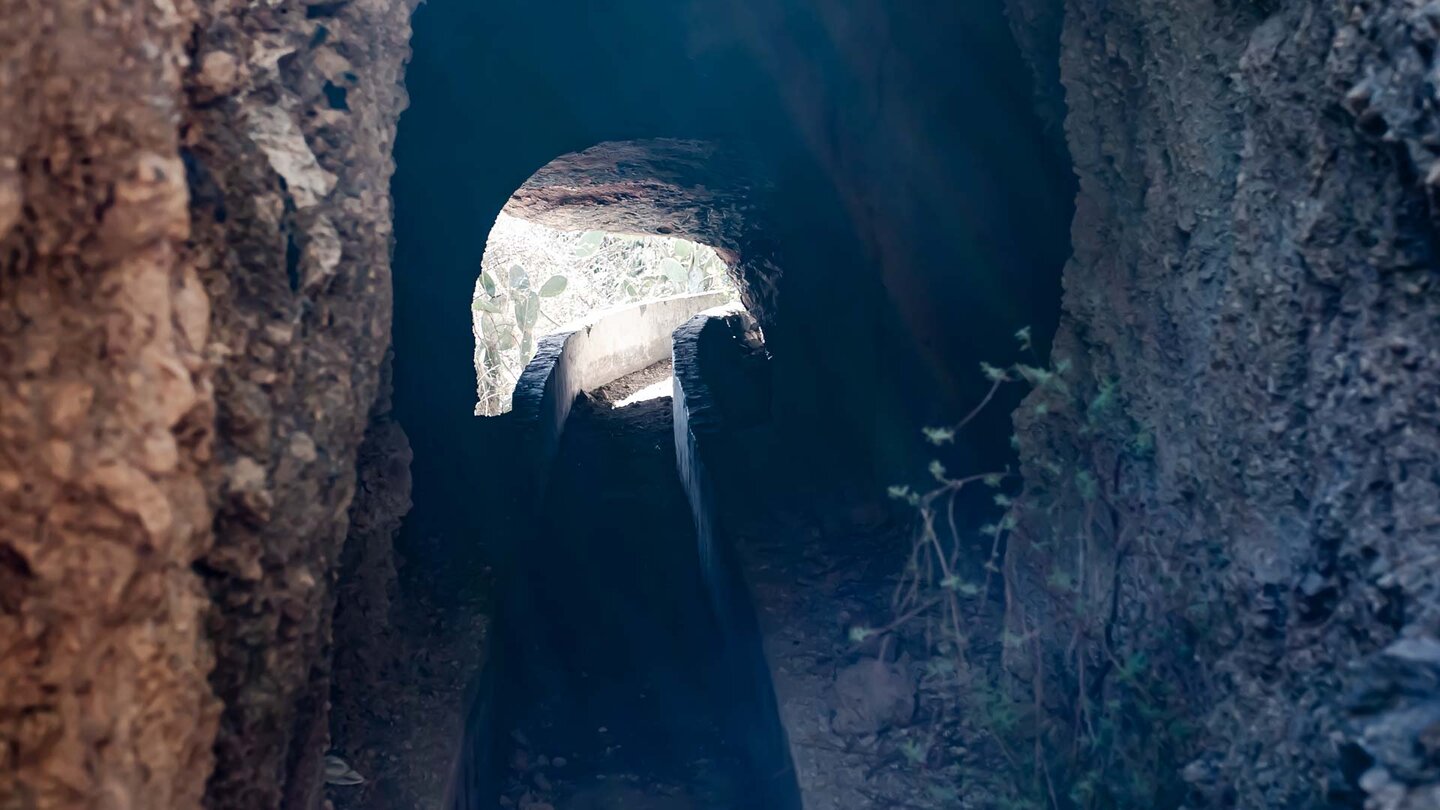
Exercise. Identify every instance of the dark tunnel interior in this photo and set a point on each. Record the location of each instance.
(910, 216)
(919, 214)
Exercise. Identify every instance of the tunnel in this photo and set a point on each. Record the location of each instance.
(877, 304)
(487, 112)
(1016, 404)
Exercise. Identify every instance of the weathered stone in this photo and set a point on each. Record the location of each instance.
(873, 695)
(1253, 281)
(104, 700)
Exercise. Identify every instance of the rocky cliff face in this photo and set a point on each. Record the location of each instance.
(289, 142)
(106, 416)
(196, 225)
(1246, 447)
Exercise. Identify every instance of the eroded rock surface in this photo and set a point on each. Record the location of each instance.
(1250, 439)
(106, 416)
(195, 216)
(686, 188)
(289, 145)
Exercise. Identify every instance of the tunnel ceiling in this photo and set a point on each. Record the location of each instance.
(693, 189)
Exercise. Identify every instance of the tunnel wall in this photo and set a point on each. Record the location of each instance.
(605, 348)
(1250, 328)
(699, 423)
(196, 222)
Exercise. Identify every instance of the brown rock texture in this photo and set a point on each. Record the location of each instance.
(686, 188)
(1246, 445)
(658, 186)
(194, 302)
(106, 415)
(289, 141)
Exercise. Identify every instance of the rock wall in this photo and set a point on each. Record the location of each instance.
(195, 216)
(106, 416)
(290, 143)
(1244, 451)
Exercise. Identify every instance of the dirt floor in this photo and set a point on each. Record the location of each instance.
(630, 385)
(611, 677)
(400, 713)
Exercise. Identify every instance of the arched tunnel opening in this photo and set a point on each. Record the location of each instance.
(607, 652)
(628, 568)
(611, 228)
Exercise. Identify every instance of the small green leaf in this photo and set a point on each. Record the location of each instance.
(937, 471)
(673, 270)
(915, 751)
(553, 286)
(588, 244)
(994, 374)
(338, 772)
(1103, 399)
(939, 436)
(518, 277)
(1024, 337)
(527, 311)
(1034, 375)
(683, 249)
(859, 634)
(484, 305)
(505, 341)
(960, 586)
(487, 283)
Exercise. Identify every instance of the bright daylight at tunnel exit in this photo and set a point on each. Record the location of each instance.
(537, 281)
(719, 405)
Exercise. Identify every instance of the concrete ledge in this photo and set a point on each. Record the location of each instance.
(697, 414)
(708, 403)
(602, 349)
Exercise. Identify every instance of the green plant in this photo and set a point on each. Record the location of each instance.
(1090, 726)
